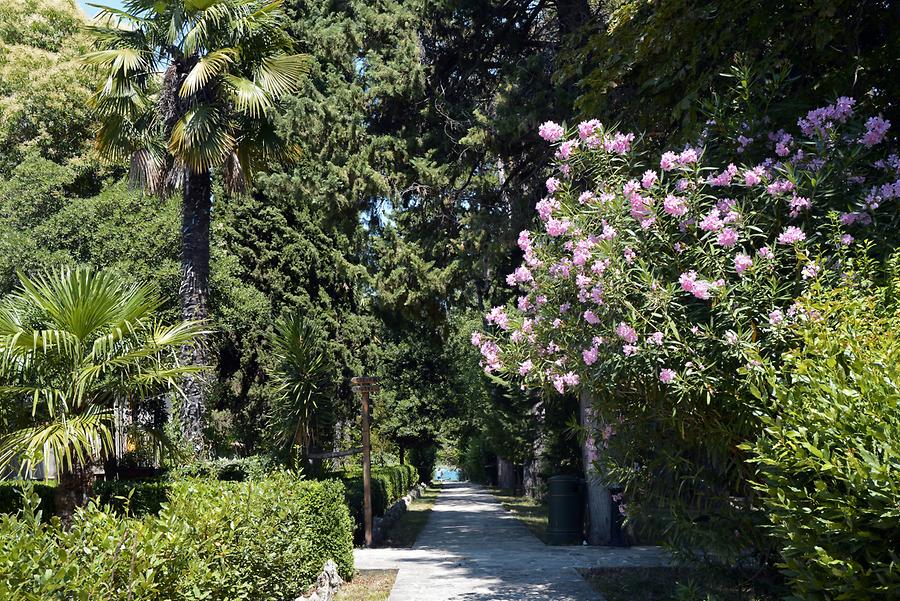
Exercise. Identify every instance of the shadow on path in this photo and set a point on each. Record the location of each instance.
(472, 549)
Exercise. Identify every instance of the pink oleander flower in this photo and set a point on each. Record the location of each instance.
(557, 227)
(476, 339)
(753, 177)
(649, 178)
(545, 208)
(524, 304)
(700, 289)
(626, 333)
(764, 253)
(589, 356)
(656, 338)
(876, 131)
(798, 204)
(724, 178)
(629, 349)
(524, 240)
(687, 280)
(847, 239)
(742, 262)
(525, 367)
(727, 238)
(619, 144)
(819, 120)
(712, 222)
(517, 336)
(776, 317)
(552, 185)
(731, 338)
(591, 317)
(779, 187)
(609, 232)
(629, 255)
(566, 148)
(688, 157)
(810, 271)
(586, 197)
(668, 161)
(565, 169)
(666, 376)
(587, 129)
(498, 316)
(791, 235)
(674, 206)
(551, 131)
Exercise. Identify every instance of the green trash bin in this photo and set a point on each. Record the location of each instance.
(566, 511)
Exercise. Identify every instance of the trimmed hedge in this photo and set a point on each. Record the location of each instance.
(139, 497)
(260, 540)
(389, 485)
(11, 499)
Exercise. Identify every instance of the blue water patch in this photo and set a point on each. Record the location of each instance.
(446, 475)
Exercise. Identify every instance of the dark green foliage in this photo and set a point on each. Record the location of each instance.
(132, 497)
(653, 64)
(264, 540)
(423, 458)
(829, 460)
(11, 500)
(255, 467)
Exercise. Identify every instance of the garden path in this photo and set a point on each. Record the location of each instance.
(472, 549)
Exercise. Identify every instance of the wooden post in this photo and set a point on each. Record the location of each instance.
(365, 386)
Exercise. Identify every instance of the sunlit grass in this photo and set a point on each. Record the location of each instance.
(368, 585)
(530, 512)
(406, 531)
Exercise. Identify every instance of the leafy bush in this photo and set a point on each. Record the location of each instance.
(829, 460)
(389, 485)
(256, 467)
(139, 497)
(263, 540)
(424, 459)
(11, 499)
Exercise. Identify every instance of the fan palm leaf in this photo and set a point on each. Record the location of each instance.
(72, 342)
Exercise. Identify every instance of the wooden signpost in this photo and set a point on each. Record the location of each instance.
(365, 386)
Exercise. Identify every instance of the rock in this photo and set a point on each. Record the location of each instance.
(327, 585)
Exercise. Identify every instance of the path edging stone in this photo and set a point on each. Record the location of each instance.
(392, 515)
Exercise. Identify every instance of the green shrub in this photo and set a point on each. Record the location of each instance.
(140, 497)
(829, 459)
(260, 540)
(11, 496)
(255, 467)
(389, 485)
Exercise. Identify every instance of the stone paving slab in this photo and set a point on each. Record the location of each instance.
(472, 549)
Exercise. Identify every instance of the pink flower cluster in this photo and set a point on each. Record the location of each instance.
(551, 131)
(820, 120)
(699, 288)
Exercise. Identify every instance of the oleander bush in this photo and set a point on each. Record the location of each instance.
(664, 284)
(829, 459)
(265, 540)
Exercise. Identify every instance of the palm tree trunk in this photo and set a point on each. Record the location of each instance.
(72, 491)
(194, 292)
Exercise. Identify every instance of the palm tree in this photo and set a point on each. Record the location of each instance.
(301, 382)
(189, 88)
(72, 343)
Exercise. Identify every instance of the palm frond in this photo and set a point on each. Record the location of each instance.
(248, 97)
(120, 61)
(201, 139)
(207, 67)
(282, 73)
(72, 439)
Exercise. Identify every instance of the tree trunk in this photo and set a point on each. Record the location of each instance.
(598, 500)
(72, 491)
(402, 454)
(506, 474)
(194, 292)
